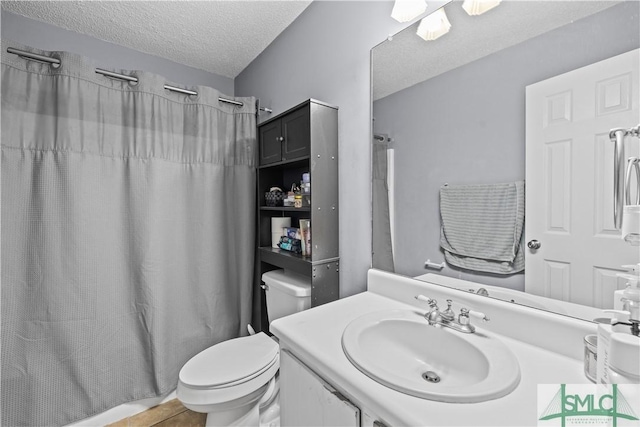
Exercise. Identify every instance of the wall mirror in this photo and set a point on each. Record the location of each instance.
(468, 109)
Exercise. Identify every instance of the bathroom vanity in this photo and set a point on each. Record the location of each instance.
(321, 386)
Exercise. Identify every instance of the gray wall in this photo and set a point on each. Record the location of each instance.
(324, 54)
(106, 55)
(468, 126)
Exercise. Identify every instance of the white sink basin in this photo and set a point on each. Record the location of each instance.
(399, 349)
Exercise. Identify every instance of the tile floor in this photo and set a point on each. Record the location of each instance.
(169, 414)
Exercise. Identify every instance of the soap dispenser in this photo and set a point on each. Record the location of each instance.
(631, 295)
(620, 302)
(630, 298)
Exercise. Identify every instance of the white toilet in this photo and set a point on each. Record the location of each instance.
(235, 382)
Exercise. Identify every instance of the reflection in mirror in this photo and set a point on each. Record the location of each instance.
(526, 92)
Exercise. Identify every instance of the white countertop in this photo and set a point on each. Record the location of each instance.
(315, 337)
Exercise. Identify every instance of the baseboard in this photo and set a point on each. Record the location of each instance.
(123, 411)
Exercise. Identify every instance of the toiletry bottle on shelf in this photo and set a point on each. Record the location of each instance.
(305, 231)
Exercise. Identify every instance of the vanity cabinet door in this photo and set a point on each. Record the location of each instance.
(308, 400)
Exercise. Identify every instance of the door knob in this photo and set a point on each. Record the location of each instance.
(534, 244)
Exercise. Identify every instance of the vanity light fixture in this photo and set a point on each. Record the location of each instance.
(406, 10)
(478, 7)
(434, 26)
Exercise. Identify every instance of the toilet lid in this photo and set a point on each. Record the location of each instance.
(230, 362)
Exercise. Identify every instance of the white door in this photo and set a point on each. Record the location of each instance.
(569, 180)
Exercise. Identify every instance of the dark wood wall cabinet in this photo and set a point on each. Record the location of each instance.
(301, 140)
(287, 137)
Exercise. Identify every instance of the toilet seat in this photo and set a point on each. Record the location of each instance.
(230, 363)
(229, 373)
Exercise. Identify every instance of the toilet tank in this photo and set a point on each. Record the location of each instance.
(286, 292)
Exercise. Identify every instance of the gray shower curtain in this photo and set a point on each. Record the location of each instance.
(382, 253)
(127, 235)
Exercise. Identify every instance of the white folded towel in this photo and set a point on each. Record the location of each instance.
(482, 226)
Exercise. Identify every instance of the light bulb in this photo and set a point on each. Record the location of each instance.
(478, 7)
(406, 10)
(433, 26)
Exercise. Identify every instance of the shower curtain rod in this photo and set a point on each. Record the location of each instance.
(55, 63)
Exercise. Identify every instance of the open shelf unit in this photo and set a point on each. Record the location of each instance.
(301, 140)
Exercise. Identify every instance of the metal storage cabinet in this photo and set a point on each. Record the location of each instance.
(302, 139)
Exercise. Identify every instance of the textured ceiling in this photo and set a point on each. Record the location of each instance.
(221, 37)
(407, 59)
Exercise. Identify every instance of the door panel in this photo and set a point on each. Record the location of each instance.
(557, 175)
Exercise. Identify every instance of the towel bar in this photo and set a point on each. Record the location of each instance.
(429, 264)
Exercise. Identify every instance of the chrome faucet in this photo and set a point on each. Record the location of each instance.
(448, 314)
(627, 309)
(447, 317)
(631, 308)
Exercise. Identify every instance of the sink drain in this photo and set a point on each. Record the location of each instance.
(431, 377)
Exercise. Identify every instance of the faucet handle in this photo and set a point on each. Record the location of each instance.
(431, 302)
(465, 312)
(479, 315)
